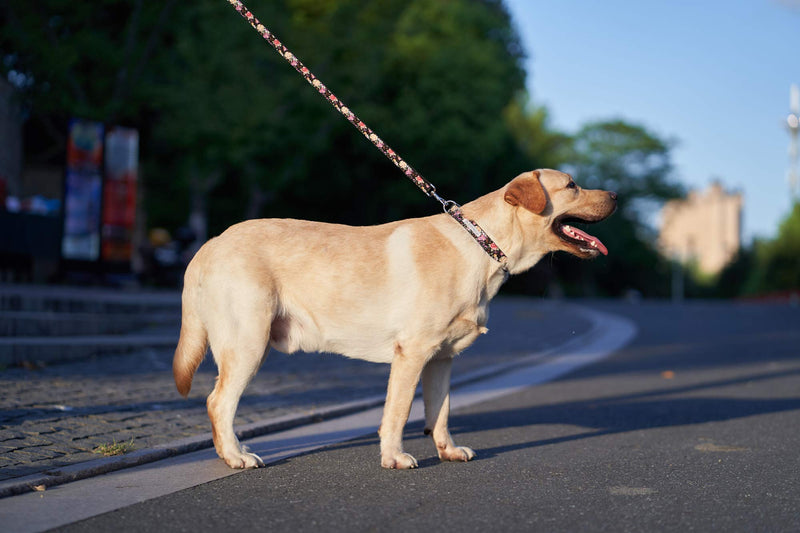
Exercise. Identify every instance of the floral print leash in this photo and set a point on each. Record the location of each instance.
(450, 207)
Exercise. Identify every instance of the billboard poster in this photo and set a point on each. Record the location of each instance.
(119, 193)
(82, 191)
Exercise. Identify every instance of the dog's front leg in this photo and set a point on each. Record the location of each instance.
(403, 379)
(436, 392)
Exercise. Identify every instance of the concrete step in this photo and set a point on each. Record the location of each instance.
(16, 351)
(51, 323)
(41, 298)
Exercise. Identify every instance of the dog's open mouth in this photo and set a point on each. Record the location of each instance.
(566, 230)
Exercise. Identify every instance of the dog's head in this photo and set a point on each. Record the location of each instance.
(549, 203)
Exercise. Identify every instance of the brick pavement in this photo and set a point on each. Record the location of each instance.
(56, 416)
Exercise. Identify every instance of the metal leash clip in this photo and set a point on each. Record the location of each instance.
(453, 208)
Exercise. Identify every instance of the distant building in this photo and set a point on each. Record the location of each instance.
(704, 229)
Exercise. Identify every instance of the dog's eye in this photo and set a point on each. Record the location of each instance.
(571, 185)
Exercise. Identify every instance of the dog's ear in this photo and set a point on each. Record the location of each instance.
(528, 192)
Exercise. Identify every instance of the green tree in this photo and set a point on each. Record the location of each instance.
(219, 116)
(228, 130)
(88, 59)
(536, 144)
(733, 279)
(432, 79)
(455, 67)
(776, 265)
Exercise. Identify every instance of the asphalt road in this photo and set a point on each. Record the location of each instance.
(691, 427)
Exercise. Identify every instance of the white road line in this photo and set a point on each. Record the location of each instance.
(64, 504)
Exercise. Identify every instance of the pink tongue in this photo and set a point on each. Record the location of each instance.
(582, 235)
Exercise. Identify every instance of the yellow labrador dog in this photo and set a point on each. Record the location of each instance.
(412, 293)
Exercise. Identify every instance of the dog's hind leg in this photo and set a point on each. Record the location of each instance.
(238, 358)
(436, 394)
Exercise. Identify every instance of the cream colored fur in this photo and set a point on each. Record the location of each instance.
(412, 293)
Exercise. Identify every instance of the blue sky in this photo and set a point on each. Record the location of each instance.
(712, 75)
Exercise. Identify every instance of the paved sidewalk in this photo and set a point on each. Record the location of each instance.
(57, 416)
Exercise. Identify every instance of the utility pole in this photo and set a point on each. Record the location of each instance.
(793, 123)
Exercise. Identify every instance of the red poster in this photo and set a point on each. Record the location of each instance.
(119, 193)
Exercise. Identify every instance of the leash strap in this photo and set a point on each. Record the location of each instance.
(450, 207)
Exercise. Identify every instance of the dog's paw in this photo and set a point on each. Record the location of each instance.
(243, 459)
(457, 453)
(400, 461)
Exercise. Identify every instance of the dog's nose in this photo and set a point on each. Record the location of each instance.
(613, 195)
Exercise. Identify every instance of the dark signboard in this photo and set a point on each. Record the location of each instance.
(82, 191)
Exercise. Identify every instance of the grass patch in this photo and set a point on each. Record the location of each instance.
(115, 448)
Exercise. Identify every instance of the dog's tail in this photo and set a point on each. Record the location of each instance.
(192, 345)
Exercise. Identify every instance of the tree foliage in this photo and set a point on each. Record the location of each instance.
(87, 59)
(776, 263)
(768, 267)
(533, 138)
(230, 131)
(431, 78)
